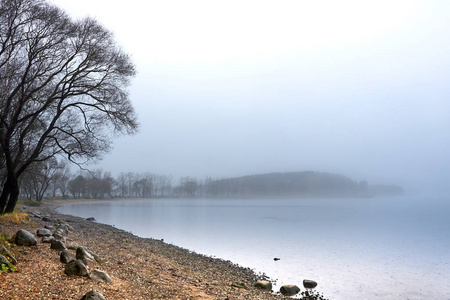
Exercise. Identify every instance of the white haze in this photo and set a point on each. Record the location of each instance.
(230, 88)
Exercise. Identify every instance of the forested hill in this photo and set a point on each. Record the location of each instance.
(296, 184)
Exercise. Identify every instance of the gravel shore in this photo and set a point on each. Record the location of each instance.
(140, 268)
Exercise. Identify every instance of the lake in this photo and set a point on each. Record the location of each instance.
(375, 248)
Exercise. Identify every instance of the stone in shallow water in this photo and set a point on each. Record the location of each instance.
(289, 290)
(309, 284)
(25, 238)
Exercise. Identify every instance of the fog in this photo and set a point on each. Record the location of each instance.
(245, 87)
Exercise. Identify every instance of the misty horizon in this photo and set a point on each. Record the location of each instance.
(351, 88)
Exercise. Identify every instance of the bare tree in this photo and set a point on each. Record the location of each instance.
(38, 177)
(61, 180)
(62, 90)
(189, 186)
(77, 186)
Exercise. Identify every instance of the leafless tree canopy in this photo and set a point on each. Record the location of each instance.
(63, 89)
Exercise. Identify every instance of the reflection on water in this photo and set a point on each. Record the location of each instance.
(387, 248)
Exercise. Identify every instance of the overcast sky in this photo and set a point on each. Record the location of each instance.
(230, 88)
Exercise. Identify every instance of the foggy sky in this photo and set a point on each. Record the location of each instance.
(232, 88)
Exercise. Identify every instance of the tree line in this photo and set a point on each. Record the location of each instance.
(54, 179)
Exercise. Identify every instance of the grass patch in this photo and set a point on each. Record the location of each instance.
(4, 239)
(15, 218)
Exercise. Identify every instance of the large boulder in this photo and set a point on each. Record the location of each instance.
(84, 255)
(66, 256)
(93, 295)
(289, 290)
(25, 238)
(77, 268)
(44, 232)
(98, 275)
(264, 285)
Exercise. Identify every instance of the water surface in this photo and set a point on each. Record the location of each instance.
(378, 248)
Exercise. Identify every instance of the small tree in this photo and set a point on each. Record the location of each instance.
(62, 90)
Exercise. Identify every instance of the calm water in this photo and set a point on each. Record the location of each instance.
(380, 248)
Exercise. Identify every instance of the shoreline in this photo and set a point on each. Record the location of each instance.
(140, 268)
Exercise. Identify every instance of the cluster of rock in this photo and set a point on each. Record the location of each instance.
(79, 263)
(288, 289)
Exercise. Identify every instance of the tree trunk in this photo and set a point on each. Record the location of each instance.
(5, 195)
(9, 195)
(13, 195)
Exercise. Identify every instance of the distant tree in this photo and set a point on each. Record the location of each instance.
(122, 186)
(62, 90)
(39, 177)
(77, 186)
(61, 181)
(189, 186)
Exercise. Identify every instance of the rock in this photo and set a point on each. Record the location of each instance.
(72, 246)
(77, 268)
(240, 285)
(48, 227)
(84, 255)
(58, 245)
(8, 254)
(264, 285)
(66, 256)
(63, 229)
(59, 234)
(309, 284)
(93, 295)
(3, 260)
(289, 290)
(25, 238)
(43, 232)
(90, 219)
(99, 275)
(48, 239)
(47, 219)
